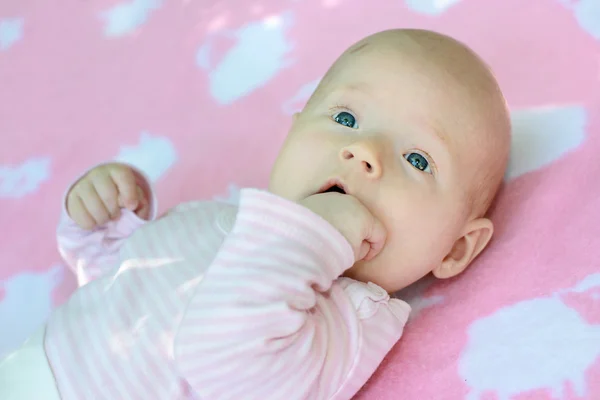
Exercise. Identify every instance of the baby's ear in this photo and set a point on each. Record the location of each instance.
(476, 235)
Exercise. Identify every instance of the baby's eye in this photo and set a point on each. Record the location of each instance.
(418, 161)
(346, 119)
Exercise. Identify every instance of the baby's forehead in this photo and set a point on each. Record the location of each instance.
(422, 68)
(423, 50)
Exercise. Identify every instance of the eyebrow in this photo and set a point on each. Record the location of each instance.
(354, 88)
(436, 135)
(429, 128)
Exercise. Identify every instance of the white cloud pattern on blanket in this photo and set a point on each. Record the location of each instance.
(587, 13)
(542, 135)
(534, 344)
(257, 56)
(27, 294)
(126, 17)
(23, 179)
(431, 7)
(11, 31)
(154, 155)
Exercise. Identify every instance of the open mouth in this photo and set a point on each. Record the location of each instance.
(333, 187)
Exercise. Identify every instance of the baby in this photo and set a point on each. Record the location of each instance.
(386, 176)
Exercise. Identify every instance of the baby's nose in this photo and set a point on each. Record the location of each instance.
(364, 156)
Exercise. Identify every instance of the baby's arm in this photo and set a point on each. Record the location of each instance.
(91, 249)
(270, 320)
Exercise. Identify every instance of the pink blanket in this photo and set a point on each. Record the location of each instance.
(198, 94)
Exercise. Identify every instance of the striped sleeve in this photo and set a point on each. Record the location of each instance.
(93, 253)
(270, 320)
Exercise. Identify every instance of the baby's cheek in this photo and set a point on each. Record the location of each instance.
(415, 243)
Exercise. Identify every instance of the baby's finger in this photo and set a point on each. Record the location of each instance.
(94, 205)
(363, 251)
(376, 238)
(79, 214)
(108, 193)
(143, 210)
(126, 185)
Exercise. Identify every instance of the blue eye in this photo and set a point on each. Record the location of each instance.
(418, 161)
(346, 119)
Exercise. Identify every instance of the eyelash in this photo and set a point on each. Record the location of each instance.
(338, 108)
(430, 161)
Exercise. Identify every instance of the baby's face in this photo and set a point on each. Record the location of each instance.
(390, 131)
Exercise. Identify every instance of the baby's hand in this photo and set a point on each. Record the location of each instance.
(363, 231)
(101, 193)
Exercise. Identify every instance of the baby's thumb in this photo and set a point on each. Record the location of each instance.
(143, 209)
(363, 250)
(375, 239)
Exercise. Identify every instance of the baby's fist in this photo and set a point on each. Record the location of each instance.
(99, 196)
(350, 217)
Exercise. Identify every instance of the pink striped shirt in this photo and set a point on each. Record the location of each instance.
(215, 302)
